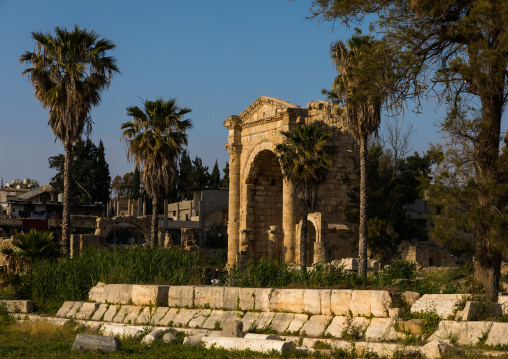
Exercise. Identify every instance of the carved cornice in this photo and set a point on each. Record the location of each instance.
(231, 122)
(261, 122)
(234, 150)
(264, 100)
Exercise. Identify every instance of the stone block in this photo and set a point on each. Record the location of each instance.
(74, 310)
(437, 348)
(264, 320)
(288, 300)
(181, 296)
(340, 301)
(144, 317)
(311, 301)
(199, 318)
(65, 308)
(132, 314)
(193, 340)
(380, 303)
(443, 304)
(394, 312)
(160, 313)
(111, 313)
(361, 303)
(412, 326)
(261, 336)
(96, 293)
(257, 345)
(18, 306)
(152, 336)
(249, 320)
(281, 321)
(217, 297)
(100, 312)
(150, 295)
(202, 296)
(231, 298)
(118, 293)
(410, 297)
(87, 310)
(466, 333)
(503, 300)
(349, 264)
(122, 313)
(232, 328)
(169, 337)
(380, 329)
(471, 309)
(184, 316)
(167, 320)
(498, 334)
(354, 327)
(221, 317)
(326, 304)
(373, 265)
(96, 343)
(262, 299)
(112, 330)
(316, 325)
(297, 323)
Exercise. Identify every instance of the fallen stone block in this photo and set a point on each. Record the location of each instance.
(471, 309)
(87, 310)
(100, 312)
(262, 299)
(181, 296)
(246, 298)
(193, 340)
(152, 336)
(340, 301)
(349, 264)
(118, 293)
(361, 303)
(65, 308)
(257, 345)
(285, 300)
(353, 327)
(465, 333)
(410, 297)
(74, 310)
(437, 348)
(380, 303)
(297, 323)
(249, 320)
(184, 316)
(112, 330)
(18, 306)
(232, 328)
(498, 334)
(412, 326)
(380, 329)
(200, 318)
(264, 320)
(394, 312)
(281, 321)
(111, 313)
(169, 337)
(96, 294)
(442, 304)
(316, 325)
(219, 318)
(150, 295)
(96, 343)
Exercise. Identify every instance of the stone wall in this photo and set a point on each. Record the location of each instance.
(426, 254)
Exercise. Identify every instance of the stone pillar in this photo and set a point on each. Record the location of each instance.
(319, 252)
(288, 220)
(245, 241)
(273, 233)
(144, 208)
(234, 203)
(140, 207)
(168, 240)
(165, 213)
(129, 207)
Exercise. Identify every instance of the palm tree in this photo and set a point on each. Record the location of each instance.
(358, 87)
(155, 138)
(306, 158)
(68, 72)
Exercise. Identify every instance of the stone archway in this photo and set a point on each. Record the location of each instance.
(105, 225)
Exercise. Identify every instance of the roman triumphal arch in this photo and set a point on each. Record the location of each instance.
(264, 216)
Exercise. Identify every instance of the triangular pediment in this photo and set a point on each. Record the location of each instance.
(265, 107)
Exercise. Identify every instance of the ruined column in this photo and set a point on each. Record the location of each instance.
(129, 207)
(319, 252)
(273, 233)
(234, 203)
(140, 205)
(288, 220)
(165, 213)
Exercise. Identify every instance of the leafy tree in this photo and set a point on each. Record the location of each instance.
(69, 71)
(306, 158)
(136, 184)
(464, 45)
(155, 138)
(90, 180)
(201, 177)
(225, 179)
(185, 176)
(214, 182)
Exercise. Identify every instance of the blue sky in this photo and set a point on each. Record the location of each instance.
(216, 57)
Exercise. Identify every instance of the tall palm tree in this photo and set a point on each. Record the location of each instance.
(357, 86)
(306, 158)
(68, 72)
(155, 138)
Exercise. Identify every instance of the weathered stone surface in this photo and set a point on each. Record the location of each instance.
(281, 321)
(231, 298)
(264, 320)
(152, 336)
(247, 298)
(361, 303)
(74, 310)
(339, 325)
(262, 299)
(261, 336)
(471, 309)
(200, 318)
(326, 301)
(413, 326)
(118, 293)
(202, 295)
(297, 323)
(257, 345)
(144, 317)
(169, 337)
(498, 334)
(283, 299)
(112, 330)
(132, 314)
(159, 314)
(65, 308)
(311, 301)
(503, 300)
(340, 301)
(373, 265)
(96, 343)
(184, 316)
(249, 320)
(394, 312)
(316, 325)
(111, 313)
(96, 293)
(221, 317)
(87, 310)
(19, 306)
(380, 303)
(410, 297)
(181, 296)
(232, 328)
(466, 333)
(217, 297)
(99, 313)
(150, 295)
(380, 329)
(349, 263)
(122, 313)
(168, 318)
(436, 349)
(443, 304)
(193, 340)
(381, 349)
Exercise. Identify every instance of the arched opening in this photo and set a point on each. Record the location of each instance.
(311, 239)
(264, 200)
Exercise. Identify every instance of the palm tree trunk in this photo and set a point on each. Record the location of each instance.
(362, 245)
(155, 219)
(66, 222)
(303, 237)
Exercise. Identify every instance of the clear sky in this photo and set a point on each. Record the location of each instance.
(216, 57)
